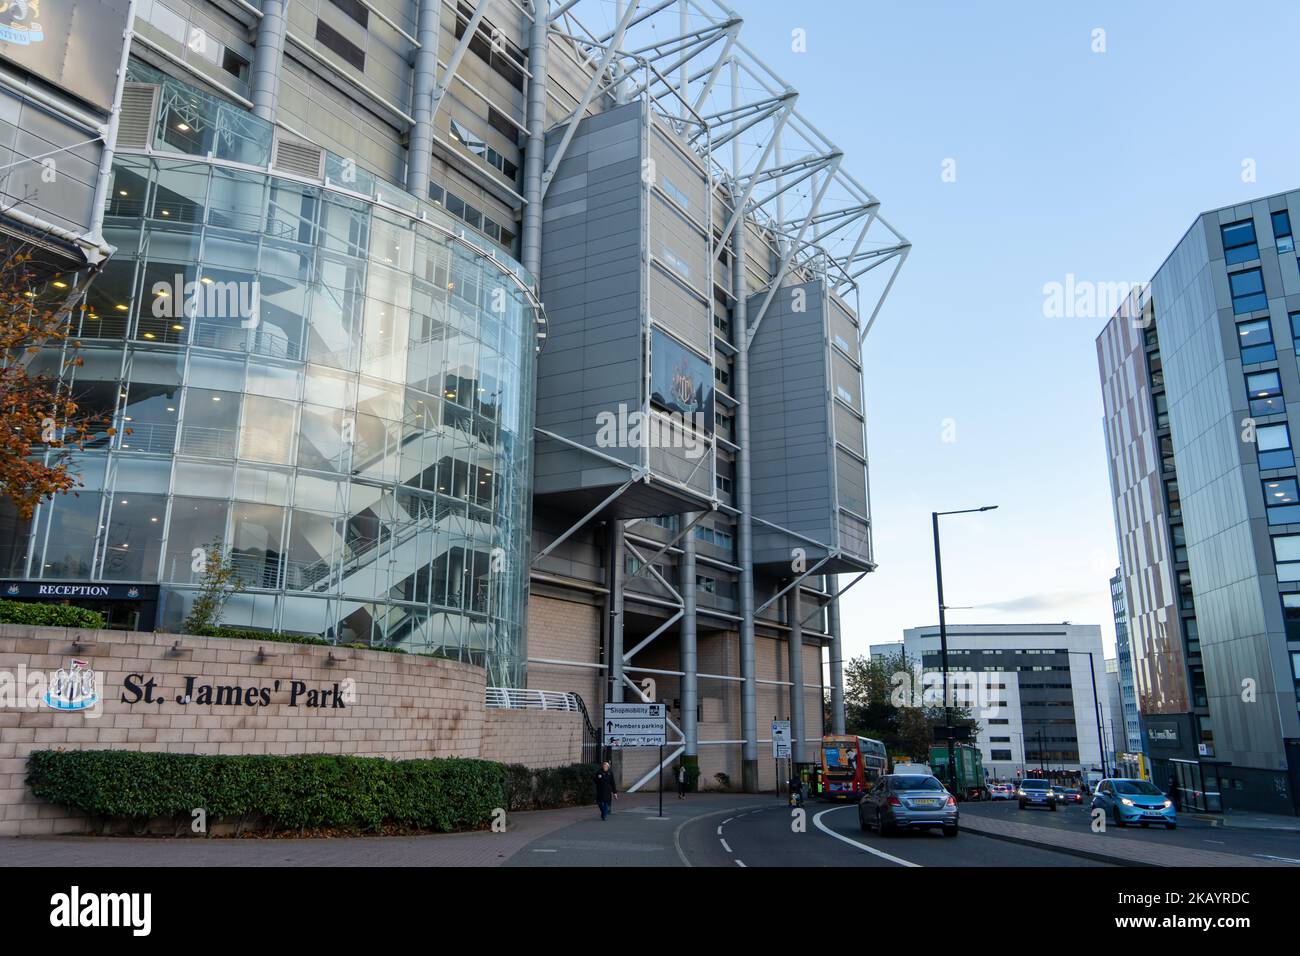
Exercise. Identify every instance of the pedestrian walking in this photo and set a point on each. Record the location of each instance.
(606, 791)
(1174, 793)
(681, 781)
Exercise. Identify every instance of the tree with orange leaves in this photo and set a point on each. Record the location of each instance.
(41, 424)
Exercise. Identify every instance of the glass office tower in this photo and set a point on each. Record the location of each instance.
(327, 376)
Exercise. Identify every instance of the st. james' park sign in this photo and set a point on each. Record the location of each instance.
(143, 689)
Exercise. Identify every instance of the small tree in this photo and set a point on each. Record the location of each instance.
(41, 423)
(218, 582)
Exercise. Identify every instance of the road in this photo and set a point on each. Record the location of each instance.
(1191, 834)
(758, 832)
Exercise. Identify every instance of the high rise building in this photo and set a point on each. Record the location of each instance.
(1037, 691)
(524, 333)
(1128, 716)
(1196, 372)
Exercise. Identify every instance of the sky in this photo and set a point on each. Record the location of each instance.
(1067, 161)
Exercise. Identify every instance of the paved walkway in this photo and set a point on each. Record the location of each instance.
(1110, 847)
(1245, 820)
(479, 848)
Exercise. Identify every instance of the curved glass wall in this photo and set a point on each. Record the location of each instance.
(338, 392)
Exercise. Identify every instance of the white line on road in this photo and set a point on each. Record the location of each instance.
(724, 844)
(738, 863)
(817, 821)
(1280, 859)
(544, 851)
(728, 820)
(719, 831)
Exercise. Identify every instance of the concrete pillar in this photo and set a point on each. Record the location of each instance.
(617, 552)
(268, 58)
(837, 660)
(689, 663)
(419, 150)
(794, 611)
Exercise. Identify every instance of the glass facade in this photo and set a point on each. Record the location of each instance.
(335, 388)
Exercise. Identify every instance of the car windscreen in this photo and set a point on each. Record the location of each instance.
(915, 783)
(1033, 785)
(1144, 787)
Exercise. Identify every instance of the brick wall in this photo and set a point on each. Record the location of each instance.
(533, 738)
(393, 705)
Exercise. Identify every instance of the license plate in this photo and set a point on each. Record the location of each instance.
(925, 803)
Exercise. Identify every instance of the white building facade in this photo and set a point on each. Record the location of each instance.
(1031, 689)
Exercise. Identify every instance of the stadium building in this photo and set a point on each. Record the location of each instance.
(528, 333)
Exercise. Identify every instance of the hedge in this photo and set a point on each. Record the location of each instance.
(304, 791)
(293, 637)
(550, 787)
(49, 615)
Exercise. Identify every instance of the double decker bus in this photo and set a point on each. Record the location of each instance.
(851, 765)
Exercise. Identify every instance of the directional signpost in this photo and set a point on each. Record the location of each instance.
(638, 725)
(780, 747)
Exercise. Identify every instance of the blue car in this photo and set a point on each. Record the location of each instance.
(1125, 800)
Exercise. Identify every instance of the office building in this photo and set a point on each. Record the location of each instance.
(1128, 713)
(1037, 692)
(1199, 382)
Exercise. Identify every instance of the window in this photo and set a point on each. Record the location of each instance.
(1282, 498)
(724, 484)
(1274, 445)
(501, 123)
(1286, 553)
(676, 262)
(334, 41)
(999, 740)
(1264, 389)
(1256, 340)
(999, 754)
(1239, 242)
(1282, 231)
(720, 539)
(722, 376)
(1247, 291)
(491, 46)
(481, 149)
(355, 10)
(1291, 615)
(707, 584)
(674, 193)
(999, 720)
(234, 64)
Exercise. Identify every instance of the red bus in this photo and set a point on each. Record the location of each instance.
(851, 765)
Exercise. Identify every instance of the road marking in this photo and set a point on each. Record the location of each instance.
(1219, 842)
(677, 833)
(724, 844)
(719, 831)
(544, 851)
(738, 863)
(817, 821)
(1280, 859)
(728, 820)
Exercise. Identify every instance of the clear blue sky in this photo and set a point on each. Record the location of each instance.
(1067, 161)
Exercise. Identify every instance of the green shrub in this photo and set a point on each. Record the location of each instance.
(249, 634)
(49, 615)
(297, 791)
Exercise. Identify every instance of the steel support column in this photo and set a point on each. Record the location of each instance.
(744, 526)
(268, 58)
(689, 658)
(837, 663)
(794, 618)
(617, 561)
(419, 151)
(535, 151)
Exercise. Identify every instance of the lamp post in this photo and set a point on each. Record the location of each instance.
(943, 634)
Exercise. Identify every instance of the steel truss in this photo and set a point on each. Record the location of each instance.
(782, 177)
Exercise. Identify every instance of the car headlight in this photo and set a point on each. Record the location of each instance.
(1126, 801)
(1168, 804)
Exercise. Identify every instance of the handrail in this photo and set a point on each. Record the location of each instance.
(527, 698)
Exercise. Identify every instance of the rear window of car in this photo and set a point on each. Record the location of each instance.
(916, 783)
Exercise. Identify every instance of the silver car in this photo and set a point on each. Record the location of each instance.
(913, 801)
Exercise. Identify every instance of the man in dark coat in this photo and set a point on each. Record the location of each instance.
(606, 791)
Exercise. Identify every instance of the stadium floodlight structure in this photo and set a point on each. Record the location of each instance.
(782, 179)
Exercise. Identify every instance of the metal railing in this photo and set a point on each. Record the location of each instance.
(519, 698)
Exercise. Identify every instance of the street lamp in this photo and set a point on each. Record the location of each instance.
(943, 633)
